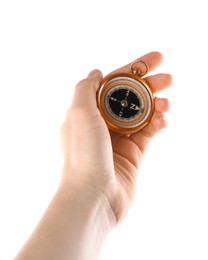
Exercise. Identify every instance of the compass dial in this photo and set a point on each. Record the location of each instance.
(126, 102)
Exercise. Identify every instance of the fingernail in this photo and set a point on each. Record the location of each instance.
(93, 73)
(162, 121)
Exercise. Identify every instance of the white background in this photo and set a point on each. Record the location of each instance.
(45, 48)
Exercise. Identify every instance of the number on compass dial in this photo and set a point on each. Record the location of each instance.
(124, 103)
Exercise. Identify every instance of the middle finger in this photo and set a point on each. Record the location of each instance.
(159, 82)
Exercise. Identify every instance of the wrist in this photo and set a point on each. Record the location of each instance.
(91, 202)
(90, 216)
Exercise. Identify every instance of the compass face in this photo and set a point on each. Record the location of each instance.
(126, 102)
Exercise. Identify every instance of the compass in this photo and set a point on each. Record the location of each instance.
(125, 102)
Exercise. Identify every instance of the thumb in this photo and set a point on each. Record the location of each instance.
(85, 91)
(94, 73)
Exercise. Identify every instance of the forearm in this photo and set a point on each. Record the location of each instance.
(74, 226)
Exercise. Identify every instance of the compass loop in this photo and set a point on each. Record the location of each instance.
(137, 71)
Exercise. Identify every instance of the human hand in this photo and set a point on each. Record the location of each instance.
(99, 174)
(102, 162)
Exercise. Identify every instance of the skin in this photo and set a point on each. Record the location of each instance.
(99, 173)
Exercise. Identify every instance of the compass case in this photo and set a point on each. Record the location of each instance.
(125, 102)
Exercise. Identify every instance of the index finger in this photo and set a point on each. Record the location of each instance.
(152, 59)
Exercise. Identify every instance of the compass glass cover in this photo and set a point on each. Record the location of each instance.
(124, 103)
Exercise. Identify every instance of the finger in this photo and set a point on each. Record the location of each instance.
(144, 136)
(85, 93)
(152, 59)
(162, 105)
(159, 82)
(86, 89)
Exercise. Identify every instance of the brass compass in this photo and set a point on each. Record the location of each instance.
(125, 100)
